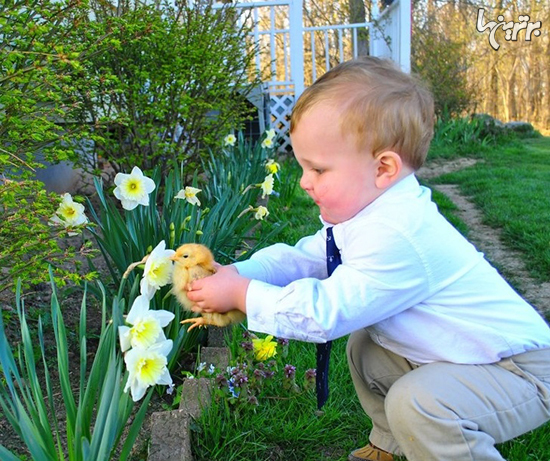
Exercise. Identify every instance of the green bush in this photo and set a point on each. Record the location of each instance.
(440, 60)
(30, 244)
(37, 58)
(161, 83)
(140, 86)
(467, 136)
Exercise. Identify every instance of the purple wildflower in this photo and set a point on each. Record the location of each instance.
(221, 380)
(311, 373)
(290, 371)
(240, 379)
(259, 373)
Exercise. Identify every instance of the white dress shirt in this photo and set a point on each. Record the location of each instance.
(407, 276)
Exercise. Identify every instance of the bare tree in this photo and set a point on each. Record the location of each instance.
(357, 15)
(511, 82)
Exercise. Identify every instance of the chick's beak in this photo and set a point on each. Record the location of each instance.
(173, 257)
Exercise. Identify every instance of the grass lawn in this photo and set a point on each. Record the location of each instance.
(510, 185)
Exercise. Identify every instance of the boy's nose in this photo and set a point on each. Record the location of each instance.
(304, 182)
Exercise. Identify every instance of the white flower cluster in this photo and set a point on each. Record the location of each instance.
(143, 341)
(267, 143)
(133, 189)
(69, 214)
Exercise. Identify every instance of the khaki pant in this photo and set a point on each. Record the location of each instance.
(444, 411)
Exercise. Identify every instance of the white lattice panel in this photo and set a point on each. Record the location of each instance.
(283, 45)
(281, 107)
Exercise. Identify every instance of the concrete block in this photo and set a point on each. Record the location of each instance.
(216, 336)
(217, 356)
(170, 437)
(170, 432)
(196, 395)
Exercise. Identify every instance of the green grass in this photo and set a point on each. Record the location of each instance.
(510, 185)
(288, 428)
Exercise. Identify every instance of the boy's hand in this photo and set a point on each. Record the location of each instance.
(221, 292)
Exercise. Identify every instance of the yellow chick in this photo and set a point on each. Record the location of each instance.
(192, 262)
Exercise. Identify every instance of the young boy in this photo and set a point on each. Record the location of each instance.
(446, 358)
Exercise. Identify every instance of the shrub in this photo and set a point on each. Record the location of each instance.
(439, 58)
(467, 136)
(36, 63)
(161, 84)
(30, 245)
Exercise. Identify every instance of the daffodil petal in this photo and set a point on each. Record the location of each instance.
(124, 338)
(146, 289)
(163, 347)
(137, 390)
(165, 378)
(139, 308)
(164, 317)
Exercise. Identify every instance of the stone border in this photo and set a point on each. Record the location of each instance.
(170, 430)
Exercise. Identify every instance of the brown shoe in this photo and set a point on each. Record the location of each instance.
(370, 453)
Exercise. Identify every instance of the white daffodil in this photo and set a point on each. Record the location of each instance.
(261, 213)
(229, 140)
(147, 325)
(267, 143)
(190, 194)
(157, 271)
(267, 185)
(270, 134)
(272, 166)
(147, 367)
(133, 189)
(69, 214)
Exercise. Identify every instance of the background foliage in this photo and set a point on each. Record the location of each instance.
(510, 83)
(37, 58)
(84, 81)
(161, 83)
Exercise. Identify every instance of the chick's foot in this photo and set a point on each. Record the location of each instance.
(197, 322)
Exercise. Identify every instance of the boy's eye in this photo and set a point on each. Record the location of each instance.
(318, 170)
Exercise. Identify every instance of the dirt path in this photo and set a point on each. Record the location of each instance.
(487, 239)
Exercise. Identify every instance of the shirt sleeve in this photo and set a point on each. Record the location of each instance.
(374, 282)
(281, 264)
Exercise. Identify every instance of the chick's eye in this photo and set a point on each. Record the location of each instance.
(185, 256)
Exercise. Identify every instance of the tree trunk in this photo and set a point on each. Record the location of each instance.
(358, 14)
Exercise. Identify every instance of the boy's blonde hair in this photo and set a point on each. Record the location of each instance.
(383, 107)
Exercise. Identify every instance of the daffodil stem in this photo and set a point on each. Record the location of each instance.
(250, 208)
(132, 266)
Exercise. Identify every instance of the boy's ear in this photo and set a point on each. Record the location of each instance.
(390, 166)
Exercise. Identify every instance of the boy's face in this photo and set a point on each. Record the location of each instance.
(336, 175)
